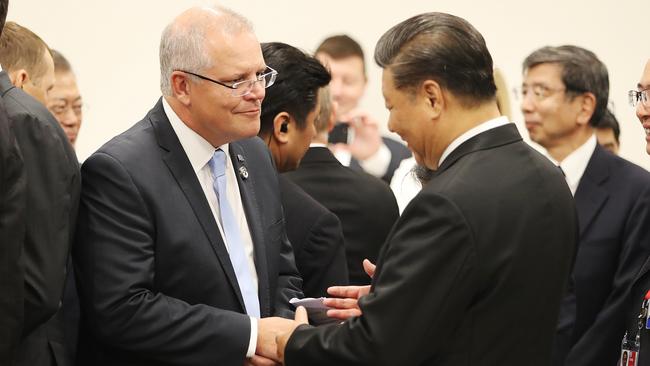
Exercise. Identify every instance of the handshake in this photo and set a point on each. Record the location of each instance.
(273, 333)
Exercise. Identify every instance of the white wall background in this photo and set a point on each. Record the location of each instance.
(113, 45)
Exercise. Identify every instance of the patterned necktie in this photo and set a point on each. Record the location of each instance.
(233, 237)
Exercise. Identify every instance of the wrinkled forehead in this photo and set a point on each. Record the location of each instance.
(235, 52)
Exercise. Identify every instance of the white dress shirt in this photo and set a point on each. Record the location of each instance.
(199, 152)
(485, 126)
(575, 164)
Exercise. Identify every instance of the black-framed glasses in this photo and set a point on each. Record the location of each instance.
(241, 88)
(636, 97)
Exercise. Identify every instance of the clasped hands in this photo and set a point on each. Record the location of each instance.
(273, 333)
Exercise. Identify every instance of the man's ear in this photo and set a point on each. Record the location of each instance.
(19, 78)
(282, 126)
(432, 94)
(587, 106)
(181, 87)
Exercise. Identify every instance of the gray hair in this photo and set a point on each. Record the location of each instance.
(582, 72)
(183, 47)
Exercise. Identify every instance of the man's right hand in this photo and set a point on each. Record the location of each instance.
(346, 298)
(267, 331)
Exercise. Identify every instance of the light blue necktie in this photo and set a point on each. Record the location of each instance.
(233, 237)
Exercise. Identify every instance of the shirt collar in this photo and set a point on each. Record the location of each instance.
(198, 150)
(575, 164)
(487, 125)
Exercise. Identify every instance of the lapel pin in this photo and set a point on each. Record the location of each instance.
(243, 172)
(240, 158)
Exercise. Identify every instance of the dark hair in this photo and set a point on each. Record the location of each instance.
(441, 47)
(609, 121)
(296, 87)
(582, 72)
(61, 63)
(20, 48)
(4, 9)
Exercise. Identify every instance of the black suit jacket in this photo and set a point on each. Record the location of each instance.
(613, 203)
(52, 189)
(364, 204)
(398, 152)
(472, 272)
(317, 240)
(12, 235)
(155, 280)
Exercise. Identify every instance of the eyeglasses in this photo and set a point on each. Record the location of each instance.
(540, 92)
(241, 88)
(635, 97)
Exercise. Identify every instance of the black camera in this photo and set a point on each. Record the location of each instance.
(339, 134)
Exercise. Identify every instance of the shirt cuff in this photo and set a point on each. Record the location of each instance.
(252, 343)
(377, 164)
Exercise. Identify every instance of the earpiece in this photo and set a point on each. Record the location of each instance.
(284, 127)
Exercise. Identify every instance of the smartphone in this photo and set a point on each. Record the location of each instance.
(339, 134)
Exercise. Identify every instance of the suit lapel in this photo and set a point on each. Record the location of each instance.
(251, 207)
(176, 160)
(590, 195)
(489, 139)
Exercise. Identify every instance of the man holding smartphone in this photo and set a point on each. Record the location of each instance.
(356, 140)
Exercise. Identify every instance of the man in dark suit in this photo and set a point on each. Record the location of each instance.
(463, 278)
(367, 151)
(565, 93)
(289, 111)
(181, 254)
(364, 204)
(52, 192)
(12, 231)
(637, 300)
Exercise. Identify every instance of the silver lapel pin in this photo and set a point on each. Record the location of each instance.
(243, 172)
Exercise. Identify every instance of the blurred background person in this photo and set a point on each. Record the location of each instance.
(289, 111)
(608, 132)
(564, 93)
(28, 61)
(64, 99)
(364, 148)
(53, 184)
(364, 204)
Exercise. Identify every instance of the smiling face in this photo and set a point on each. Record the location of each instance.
(409, 118)
(643, 110)
(551, 117)
(216, 114)
(348, 81)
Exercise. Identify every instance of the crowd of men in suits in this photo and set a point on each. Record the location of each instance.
(183, 240)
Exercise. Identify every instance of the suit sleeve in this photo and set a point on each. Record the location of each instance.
(607, 330)
(12, 234)
(422, 287)
(289, 283)
(322, 262)
(115, 259)
(52, 189)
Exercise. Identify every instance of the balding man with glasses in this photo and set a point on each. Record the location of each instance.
(564, 95)
(181, 253)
